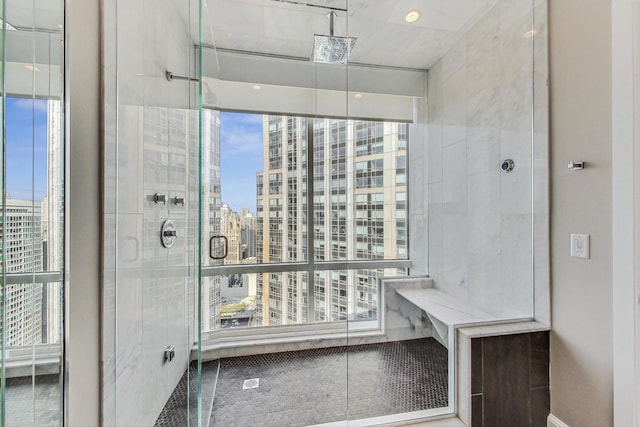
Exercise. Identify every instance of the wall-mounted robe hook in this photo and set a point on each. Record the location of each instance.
(576, 165)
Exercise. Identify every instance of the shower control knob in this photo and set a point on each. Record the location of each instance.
(168, 233)
(169, 353)
(507, 165)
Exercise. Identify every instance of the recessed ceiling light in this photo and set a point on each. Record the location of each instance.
(256, 87)
(31, 67)
(531, 33)
(358, 96)
(412, 16)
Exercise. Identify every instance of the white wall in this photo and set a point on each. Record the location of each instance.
(151, 146)
(581, 336)
(626, 202)
(82, 317)
(481, 111)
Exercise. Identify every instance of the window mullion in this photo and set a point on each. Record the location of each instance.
(310, 224)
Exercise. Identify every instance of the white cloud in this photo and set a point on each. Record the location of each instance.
(31, 104)
(239, 141)
(252, 119)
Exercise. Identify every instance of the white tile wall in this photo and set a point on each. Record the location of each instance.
(151, 147)
(481, 106)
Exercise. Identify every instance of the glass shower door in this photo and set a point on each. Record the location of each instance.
(267, 311)
(31, 214)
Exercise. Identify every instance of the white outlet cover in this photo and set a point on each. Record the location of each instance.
(580, 246)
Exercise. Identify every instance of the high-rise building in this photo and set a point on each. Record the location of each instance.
(21, 234)
(248, 234)
(212, 223)
(225, 212)
(233, 235)
(359, 213)
(52, 229)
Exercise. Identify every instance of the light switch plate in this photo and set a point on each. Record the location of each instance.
(580, 246)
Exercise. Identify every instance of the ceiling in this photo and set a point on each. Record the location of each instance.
(34, 31)
(44, 15)
(284, 27)
(287, 27)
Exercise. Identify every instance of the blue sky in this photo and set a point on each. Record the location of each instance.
(26, 148)
(240, 158)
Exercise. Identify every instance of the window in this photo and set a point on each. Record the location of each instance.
(358, 210)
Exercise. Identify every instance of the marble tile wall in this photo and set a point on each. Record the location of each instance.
(487, 101)
(150, 147)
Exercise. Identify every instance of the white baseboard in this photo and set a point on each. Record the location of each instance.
(553, 421)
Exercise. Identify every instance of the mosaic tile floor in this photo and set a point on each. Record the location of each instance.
(323, 385)
(175, 412)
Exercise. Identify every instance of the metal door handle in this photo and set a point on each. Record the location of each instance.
(211, 249)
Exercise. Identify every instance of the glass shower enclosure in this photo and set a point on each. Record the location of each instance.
(282, 181)
(32, 238)
(283, 177)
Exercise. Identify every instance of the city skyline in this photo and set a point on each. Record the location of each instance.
(31, 227)
(257, 165)
(359, 174)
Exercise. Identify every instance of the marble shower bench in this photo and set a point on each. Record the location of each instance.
(444, 311)
(489, 352)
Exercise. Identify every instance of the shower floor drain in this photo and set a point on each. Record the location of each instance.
(250, 383)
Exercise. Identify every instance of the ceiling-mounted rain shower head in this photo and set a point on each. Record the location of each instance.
(332, 49)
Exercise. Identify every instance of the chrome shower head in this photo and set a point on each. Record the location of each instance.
(332, 49)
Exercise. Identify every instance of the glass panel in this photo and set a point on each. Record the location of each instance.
(255, 170)
(32, 365)
(31, 214)
(353, 295)
(258, 198)
(242, 304)
(150, 212)
(364, 172)
(265, 222)
(480, 217)
(3, 283)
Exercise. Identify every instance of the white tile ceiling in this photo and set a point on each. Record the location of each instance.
(287, 27)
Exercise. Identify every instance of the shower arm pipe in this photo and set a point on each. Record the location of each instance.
(171, 77)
